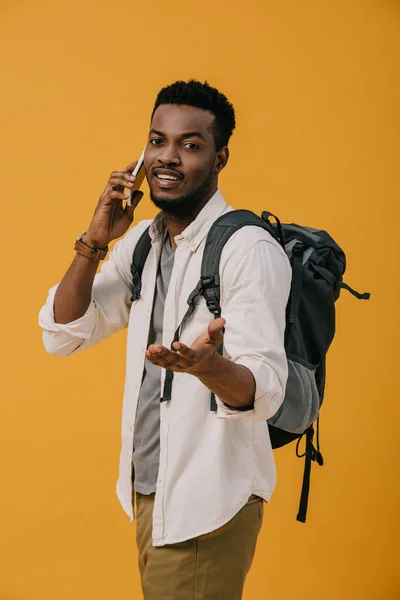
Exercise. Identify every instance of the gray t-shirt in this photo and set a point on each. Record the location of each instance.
(146, 439)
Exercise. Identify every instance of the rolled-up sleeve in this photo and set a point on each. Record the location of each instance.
(64, 339)
(107, 312)
(254, 303)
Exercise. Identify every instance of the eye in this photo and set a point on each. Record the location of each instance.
(155, 141)
(193, 146)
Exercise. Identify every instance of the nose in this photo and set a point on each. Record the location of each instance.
(168, 155)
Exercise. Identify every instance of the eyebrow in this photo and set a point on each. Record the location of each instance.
(184, 136)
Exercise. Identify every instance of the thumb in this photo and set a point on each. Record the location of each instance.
(214, 330)
(136, 198)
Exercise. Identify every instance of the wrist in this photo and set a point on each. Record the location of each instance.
(92, 252)
(93, 241)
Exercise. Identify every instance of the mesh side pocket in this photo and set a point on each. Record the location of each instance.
(301, 404)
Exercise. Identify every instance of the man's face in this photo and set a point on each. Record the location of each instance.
(180, 158)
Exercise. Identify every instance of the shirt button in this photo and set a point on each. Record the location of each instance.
(130, 426)
(136, 386)
(143, 348)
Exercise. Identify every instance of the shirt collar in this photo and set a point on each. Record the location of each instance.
(194, 233)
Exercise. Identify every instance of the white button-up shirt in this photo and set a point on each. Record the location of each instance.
(210, 461)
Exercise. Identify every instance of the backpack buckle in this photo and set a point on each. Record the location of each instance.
(208, 282)
(210, 293)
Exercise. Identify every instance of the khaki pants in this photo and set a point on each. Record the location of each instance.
(209, 567)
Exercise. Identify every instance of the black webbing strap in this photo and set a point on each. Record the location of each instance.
(140, 255)
(213, 402)
(297, 282)
(327, 275)
(265, 216)
(364, 296)
(311, 454)
(169, 375)
(210, 290)
(319, 457)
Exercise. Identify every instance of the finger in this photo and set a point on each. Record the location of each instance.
(156, 360)
(122, 182)
(153, 355)
(129, 211)
(184, 351)
(157, 351)
(160, 361)
(214, 328)
(168, 357)
(136, 198)
(120, 174)
(116, 195)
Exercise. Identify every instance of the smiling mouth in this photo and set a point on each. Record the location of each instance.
(164, 180)
(163, 176)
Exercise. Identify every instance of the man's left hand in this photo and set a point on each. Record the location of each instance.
(193, 360)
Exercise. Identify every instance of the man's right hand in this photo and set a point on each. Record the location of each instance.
(110, 219)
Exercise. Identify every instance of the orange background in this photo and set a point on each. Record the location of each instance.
(315, 88)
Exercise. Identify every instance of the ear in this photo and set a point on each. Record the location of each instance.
(221, 159)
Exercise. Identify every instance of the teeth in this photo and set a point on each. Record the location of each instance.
(162, 176)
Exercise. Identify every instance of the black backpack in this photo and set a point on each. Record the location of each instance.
(318, 265)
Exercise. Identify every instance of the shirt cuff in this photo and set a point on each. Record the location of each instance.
(268, 394)
(81, 328)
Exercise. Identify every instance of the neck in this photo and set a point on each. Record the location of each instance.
(178, 223)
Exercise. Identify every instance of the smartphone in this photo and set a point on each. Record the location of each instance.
(140, 174)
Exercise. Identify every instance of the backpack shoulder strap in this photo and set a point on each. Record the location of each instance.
(208, 286)
(221, 230)
(140, 255)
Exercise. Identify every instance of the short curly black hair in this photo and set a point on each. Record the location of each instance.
(202, 95)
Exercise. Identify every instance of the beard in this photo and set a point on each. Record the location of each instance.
(184, 206)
